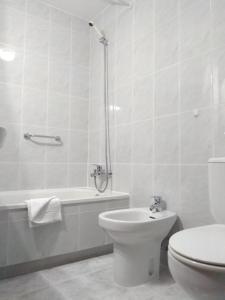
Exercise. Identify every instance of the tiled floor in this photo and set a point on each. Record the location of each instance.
(86, 280)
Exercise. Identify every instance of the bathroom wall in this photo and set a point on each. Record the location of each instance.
(44, 72)
(167, 60)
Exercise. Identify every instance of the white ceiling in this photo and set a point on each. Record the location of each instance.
(85, 9)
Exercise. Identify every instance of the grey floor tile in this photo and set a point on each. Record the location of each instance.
(44, 294)
(91, 279)
(22, 284)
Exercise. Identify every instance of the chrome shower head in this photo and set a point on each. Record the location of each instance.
(102, 38)
(99, 32)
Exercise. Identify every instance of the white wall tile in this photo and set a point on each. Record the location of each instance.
(166, 47)
(194, 196)
(194, 27)
(37, 35)
(144, 56)
(123, 144)
(167, 91)
(78, 146)
(32, 176)
(36, 71)
(93, 144)
(196, 137)
(77, 175)
(123, 67)
(17, 4)
(81, 46)
(38, 9)
(56, 175)
(10, 148)
(124, 27)
(144, 18)
(195, 83)
(58, 111)
(59, 77)
(218, 61)
(166, 140)
(142, 188)
(10, 102)
(79, 81)
(43, 90)
(12, 26)
(79, 113)
(121, 177)
(60, 42)
(218, 29)
(123, 105)
(96, 114)
(166, 10)
(34, 107)
(142, 142)
(60, 18)
(9, 173)
(143, 99)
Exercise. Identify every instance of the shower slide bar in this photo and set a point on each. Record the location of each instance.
(29, 136)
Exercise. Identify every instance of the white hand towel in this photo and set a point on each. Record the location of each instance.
(44, 211)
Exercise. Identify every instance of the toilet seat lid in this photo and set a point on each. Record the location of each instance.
(204, 244)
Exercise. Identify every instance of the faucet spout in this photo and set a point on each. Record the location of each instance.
(156, 204)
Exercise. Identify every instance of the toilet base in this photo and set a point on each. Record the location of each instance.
(136, 264)
(199, 284)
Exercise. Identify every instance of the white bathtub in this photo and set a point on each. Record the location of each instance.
(16, 199)
(78, 232)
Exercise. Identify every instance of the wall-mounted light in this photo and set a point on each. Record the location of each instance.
(7, 54)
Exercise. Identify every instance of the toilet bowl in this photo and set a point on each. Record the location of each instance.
(196, 260)
(196, 256)
(137, 234)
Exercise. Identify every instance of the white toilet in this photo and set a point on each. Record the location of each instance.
(197, 256)
(137, 234)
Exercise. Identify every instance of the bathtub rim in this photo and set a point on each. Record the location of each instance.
(110, 195)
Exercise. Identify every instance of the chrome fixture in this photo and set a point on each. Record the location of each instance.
(99, 172)
(102, 38)
(120, 2)
(156, 204)
(29, 136)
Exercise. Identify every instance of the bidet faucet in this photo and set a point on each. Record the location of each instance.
(156, 204)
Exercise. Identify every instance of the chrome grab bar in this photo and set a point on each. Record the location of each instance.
(29, 136)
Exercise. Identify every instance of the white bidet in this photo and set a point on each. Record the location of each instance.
(137, 234)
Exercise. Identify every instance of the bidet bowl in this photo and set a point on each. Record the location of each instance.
(137, 234)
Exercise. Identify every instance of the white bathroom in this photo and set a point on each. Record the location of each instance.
(112, 149)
